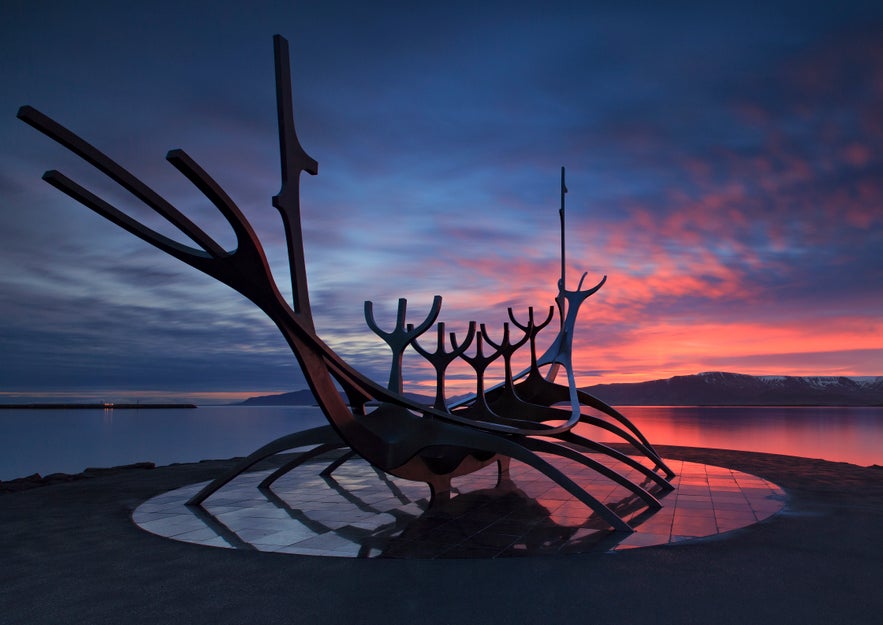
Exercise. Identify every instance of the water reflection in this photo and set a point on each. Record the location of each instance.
(68, 441)
(844, 434)
(360, 513)
(47, 441)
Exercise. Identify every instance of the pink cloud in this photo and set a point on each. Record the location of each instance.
(684, 346)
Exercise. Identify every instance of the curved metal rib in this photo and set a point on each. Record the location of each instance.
(331, 468)
(576, 440)
(299, 460)
(549, 447)
(115, 172)
(191, 256)
(321, 435)
(518, 448)
(542, 391)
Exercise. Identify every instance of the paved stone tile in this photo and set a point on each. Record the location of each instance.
(360, 514)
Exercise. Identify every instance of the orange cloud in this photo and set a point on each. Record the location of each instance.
(659, 350)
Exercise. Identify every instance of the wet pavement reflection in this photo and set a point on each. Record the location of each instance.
(361, 512)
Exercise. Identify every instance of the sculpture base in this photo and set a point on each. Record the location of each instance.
(362, 513)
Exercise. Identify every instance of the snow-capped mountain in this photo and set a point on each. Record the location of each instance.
(717, 388)
(704, 389)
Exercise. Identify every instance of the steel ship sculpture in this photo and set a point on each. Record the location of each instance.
(529, 417)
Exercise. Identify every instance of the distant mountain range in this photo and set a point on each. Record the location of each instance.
(296, 398)
(703, 389)
(735, 389)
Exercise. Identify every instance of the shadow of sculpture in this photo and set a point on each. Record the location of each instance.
(366, 514)
(527, 415)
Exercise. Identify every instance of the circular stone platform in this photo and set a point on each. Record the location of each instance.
(362, 513)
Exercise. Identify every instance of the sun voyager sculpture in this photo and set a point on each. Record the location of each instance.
(528, 417)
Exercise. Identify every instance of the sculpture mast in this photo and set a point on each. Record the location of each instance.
(561, 215)
(562, 298)
(294, 160)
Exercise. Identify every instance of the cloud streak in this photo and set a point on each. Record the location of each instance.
(724, 172)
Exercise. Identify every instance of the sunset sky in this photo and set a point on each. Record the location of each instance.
(724, 166)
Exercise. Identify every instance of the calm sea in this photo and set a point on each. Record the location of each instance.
(68, 441)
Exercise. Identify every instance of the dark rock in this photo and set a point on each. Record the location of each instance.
(124, 467)
(21, 483)
(36, 480)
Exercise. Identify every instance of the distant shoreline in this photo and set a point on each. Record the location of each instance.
(102, 406)
(702, 390)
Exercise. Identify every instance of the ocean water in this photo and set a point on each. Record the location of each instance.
(840, 434)
(68, 441)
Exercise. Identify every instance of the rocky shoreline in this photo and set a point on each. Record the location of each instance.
(36, 480)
